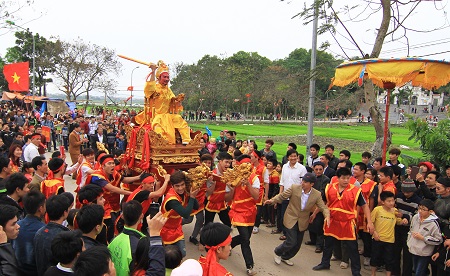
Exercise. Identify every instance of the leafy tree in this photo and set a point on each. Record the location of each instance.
(83, 67)
(434, 141)
(243, 70)
(23, 51)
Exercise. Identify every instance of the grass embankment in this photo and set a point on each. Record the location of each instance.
(354, 137)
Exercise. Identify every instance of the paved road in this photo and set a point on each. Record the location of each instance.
(262, 245)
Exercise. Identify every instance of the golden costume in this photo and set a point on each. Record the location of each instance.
(163, 107)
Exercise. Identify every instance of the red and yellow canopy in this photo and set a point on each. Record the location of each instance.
(426, 73)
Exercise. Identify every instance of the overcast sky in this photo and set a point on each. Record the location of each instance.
(185, 31)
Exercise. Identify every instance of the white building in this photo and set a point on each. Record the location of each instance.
(419, 97)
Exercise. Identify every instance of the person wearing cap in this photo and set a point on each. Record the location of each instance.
(31, 151)
(303, 200)
(315, 228)
(343, 200)
(425, 167)
(407, 202)
(166, 106)
(243, 212)
(54, 184)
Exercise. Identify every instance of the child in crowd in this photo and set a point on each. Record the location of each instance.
(121, 143)
(211, 146)
(423, 236)
(28, 170)
(244, 148)
(384, 220)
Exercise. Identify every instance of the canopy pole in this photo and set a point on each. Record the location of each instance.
(388, 86)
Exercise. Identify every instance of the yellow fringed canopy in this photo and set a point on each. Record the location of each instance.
(428, 74)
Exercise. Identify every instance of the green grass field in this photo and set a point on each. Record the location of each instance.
(354, 137)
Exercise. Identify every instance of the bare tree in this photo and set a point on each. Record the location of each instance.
(82, 68)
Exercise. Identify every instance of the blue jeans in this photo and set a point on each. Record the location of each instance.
(182, 246)
(420, 264)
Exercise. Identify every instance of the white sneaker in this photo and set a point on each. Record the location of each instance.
(251, 271)
(343, 265)
(255, 230)
(366, 261)
(277, 259)
(288, 262)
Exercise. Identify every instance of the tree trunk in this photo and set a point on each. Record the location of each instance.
(377, 119)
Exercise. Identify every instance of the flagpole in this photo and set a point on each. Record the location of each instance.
(34, 71)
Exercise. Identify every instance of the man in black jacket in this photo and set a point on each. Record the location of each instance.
(9, 230)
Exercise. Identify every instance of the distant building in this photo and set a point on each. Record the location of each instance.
(419, 97)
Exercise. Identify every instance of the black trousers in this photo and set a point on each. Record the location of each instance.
(290, 247)
(352, 249)
(367, 242)
(316, 230)
(223, 215)
(243, 239)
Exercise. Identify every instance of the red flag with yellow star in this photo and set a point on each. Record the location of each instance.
(17, 75)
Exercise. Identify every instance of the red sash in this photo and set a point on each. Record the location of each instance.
(219, 270)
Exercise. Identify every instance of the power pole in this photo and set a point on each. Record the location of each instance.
(312, 81)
